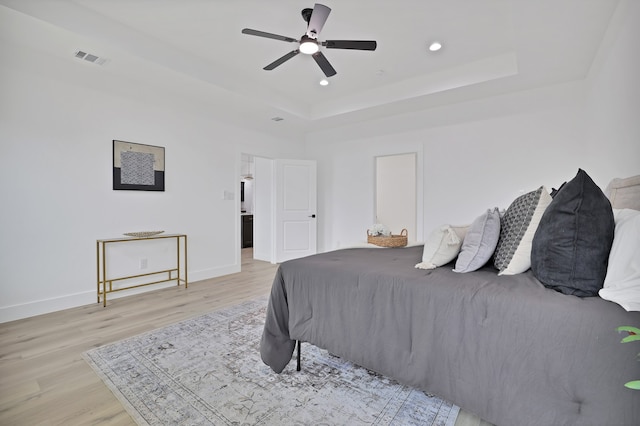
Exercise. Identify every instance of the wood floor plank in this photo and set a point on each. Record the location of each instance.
(45, 381)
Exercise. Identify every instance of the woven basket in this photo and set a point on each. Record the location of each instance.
(389, 240)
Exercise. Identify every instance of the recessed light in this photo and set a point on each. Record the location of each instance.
(435, 46)
(277, 118)
(324, 82)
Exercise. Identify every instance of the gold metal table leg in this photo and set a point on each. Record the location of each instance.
(186, 279)
(104, 277)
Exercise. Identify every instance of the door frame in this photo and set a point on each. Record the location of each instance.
(265, 243)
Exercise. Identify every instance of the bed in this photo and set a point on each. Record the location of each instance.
(507, 347)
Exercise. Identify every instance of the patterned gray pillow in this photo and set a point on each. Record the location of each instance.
(517, 228)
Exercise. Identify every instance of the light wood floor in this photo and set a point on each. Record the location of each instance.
(44, 379)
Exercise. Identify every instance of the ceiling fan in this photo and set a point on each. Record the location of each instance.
(309, 43)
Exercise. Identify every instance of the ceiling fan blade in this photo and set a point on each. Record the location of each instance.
(281, 60)
(317, 20)
(350, 44)
(249, 31)
(324, 64)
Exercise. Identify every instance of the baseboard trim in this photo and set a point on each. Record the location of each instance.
(60, 303)
(206, 274)
(46, 306)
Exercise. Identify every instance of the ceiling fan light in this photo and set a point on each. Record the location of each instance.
(309, 47)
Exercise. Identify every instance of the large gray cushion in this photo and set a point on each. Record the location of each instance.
(571, 246)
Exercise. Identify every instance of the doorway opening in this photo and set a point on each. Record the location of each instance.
(278, 207)
(246, 203)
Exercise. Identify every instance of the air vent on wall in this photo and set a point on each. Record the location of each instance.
(90, 58)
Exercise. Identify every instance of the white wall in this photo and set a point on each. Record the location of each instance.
(57, 122)
(263, 229)
(613, 103)
(466, 168)
(496, 148)
(346, 206)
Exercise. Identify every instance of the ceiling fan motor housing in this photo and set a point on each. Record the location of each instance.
(306, 14)
(309, 44)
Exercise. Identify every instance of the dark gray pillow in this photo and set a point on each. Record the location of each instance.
(554, 191)
(571, 246)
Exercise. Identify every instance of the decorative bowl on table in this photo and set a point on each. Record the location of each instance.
(142, 234)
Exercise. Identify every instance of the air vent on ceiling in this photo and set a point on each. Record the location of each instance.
(90, 58)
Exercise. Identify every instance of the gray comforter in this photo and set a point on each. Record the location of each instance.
(503, 347)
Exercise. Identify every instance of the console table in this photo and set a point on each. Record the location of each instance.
(179, 273)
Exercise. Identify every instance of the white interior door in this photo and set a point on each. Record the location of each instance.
(295, 209)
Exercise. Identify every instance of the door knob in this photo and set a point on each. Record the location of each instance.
(313, 215)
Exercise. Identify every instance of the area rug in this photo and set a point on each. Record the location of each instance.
(208, 371)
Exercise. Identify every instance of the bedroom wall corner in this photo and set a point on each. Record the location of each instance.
(612, 127)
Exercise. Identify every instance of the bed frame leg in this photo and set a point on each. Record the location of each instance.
(298, 343)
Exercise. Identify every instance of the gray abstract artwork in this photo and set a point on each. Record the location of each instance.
(137, 168)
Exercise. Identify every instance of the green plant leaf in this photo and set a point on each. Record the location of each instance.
(629, 329)
(635, 384)
(630, 338)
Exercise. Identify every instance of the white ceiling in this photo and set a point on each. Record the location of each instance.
(195, 48)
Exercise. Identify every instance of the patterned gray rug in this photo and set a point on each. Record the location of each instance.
(208, 371)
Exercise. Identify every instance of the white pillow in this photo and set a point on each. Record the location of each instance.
(442, 246)
(480, 242)
(622, 282)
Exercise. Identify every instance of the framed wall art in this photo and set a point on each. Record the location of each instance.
(137, 167)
